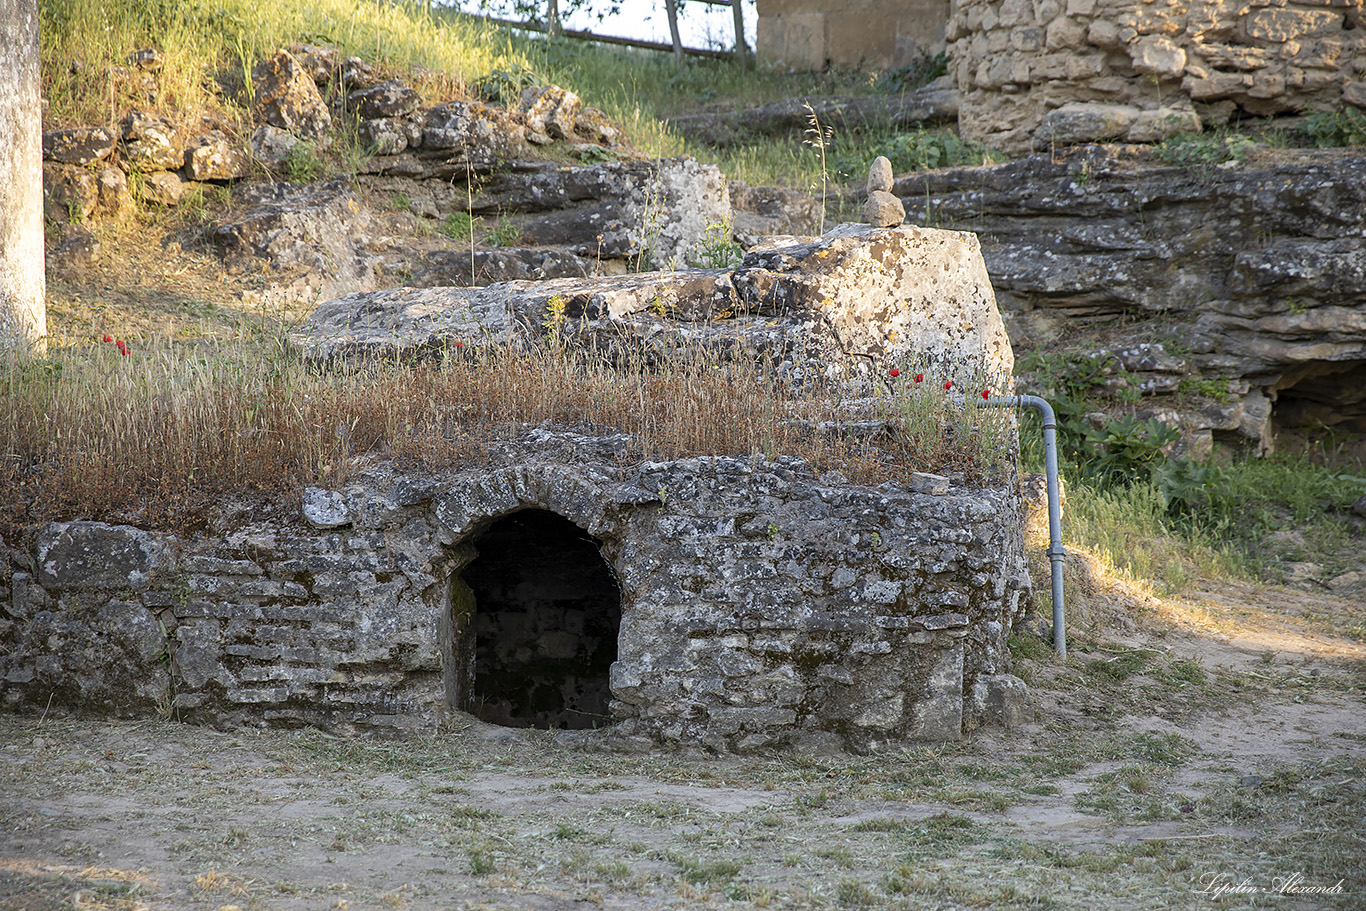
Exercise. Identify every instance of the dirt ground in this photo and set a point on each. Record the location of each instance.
(1202, 752)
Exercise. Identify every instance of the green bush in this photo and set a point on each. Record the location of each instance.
(1341, 128)
(919, 150)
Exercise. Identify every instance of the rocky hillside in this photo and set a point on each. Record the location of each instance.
(1225, 298)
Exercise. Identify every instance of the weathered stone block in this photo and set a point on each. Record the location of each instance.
(79, 556)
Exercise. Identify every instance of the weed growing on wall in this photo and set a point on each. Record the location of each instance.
(98, 431)
(945, 413)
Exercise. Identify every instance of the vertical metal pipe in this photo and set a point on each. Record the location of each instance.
(1056, 552)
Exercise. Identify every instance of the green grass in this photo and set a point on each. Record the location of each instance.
(209, 51)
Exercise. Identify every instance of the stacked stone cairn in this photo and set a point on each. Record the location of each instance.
(882, 210)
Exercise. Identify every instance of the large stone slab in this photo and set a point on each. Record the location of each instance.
(846, 306)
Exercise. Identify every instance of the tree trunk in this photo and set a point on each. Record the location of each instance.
(553, 20)
(671, 7)
(742, 56)
(23, 286)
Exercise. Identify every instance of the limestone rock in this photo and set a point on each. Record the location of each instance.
(213, 157)
(550, 112)
(1003, 699)
(593, 125)
(150, 141)
(658, 210)
(1158, 56)
(936, 102)
(356, 73)
(474, 133)
(1264, 266)
(880, 175)
(384, 136)
(288, 98)
(325, 508)
(1354, 93)
(1155, 126)
(311, 236)
(114, 194)
(321, 62)
(883, 210)
(272, 146)
(838, 307)
(453, 267)
(761, 212)
(163, 188)
(81, 145)
(1080, 122)
(70, 193)
(387, 99)
(91, 555)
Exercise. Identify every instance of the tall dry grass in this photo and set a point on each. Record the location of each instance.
(165, 433)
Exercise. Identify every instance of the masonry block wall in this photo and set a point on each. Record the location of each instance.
(721, 603)
(1037, 72)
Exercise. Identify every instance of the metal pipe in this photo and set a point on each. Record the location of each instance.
(1056, 553)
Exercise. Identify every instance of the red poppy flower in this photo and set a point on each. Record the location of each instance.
(459, 344)
(106, 338)
(125, 352)
(986, 394)
(919, 377)
(948, 384)
(894, 373)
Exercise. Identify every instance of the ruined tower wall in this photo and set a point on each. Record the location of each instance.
(1037, 72)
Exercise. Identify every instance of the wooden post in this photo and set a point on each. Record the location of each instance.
(671, 7)
(23, 283)
(742, 55)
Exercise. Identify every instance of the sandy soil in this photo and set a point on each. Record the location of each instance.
(1232, 753)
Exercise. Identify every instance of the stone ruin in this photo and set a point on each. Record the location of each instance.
(1042, 74)
(720, 603)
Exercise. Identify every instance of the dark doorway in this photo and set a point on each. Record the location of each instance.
(547, 613)
(1324, 394)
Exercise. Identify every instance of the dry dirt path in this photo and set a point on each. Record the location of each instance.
(1179, 756)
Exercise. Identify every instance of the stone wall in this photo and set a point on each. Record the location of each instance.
(1054, 72)
(875, 34)
(759, 605)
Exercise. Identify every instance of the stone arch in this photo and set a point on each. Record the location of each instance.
(530, 609)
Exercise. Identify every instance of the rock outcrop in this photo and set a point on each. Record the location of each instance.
(934, 103)
(1246, 283)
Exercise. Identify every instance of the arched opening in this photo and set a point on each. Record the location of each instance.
(547, 613)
